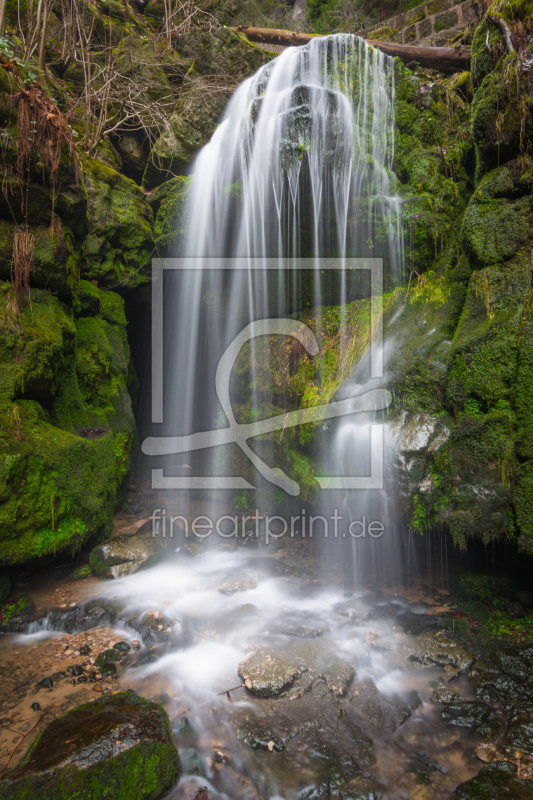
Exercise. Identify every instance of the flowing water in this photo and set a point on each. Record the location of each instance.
(297, 175)
(295, 182)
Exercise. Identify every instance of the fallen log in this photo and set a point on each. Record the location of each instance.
(444, 59)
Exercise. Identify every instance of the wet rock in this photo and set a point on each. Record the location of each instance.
(80, 573)
(353, 610)
(473, 715)
(362, 789)
(15, 614)
(108, 671)
(423, 767)
(153, 630)
(241, 584)
(259, 735)
(443, 694)
(110, 656)
(100, 612)
(496, 781)
(35, 707)
(486, 752)
(122, 647)
(75, 670)
(267, 673)
(378, 714)
(519, 733)
(64, 620)
(450, 673)
(428, 650)
(516, 661)
(46, 683)
(337, 674)
(121, 743)
(127, 554)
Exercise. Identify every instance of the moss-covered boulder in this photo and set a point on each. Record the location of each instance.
(498, 222)
(120, 240)
(67, 424)
(15, 614)
(169, 222)
(119, 746)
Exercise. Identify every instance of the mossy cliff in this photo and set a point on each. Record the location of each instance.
(66, 378)
(463, 374)
(461, 324)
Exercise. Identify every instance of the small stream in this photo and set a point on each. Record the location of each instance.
(341, 699)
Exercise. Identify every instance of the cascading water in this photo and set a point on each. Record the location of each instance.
(299, 169)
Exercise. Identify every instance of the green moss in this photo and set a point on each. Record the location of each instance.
(169, 224)
(17, 606)
(67, 426)
(120, 240)
(146, 765)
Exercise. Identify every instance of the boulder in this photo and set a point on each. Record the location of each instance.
(126, 554)
(496, 782)
(430, 650)
(120, 746)
(267, 673)
(475, 716)
(15, 614)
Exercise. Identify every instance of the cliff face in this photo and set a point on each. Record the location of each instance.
(76, 238)
(84, 234)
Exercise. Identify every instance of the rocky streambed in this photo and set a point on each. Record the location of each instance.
(276, 683)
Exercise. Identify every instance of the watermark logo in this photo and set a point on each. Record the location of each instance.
(240, 434)
(271, 528)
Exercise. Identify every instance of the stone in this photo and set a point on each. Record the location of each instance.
(110, 656)
(497, 781)
(486, 752)
(15, 614)
(443, 694)
(417, 433)
(121, 742)
(80, 573)
(519, 733)
(122, 647)
(267, 673)
(429, 650)
(473, 715)
(124, 555)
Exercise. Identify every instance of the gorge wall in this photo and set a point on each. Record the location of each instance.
(465, 332)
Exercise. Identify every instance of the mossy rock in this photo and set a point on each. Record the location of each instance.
(499, 219)
(213, 57)
(15, 614)
(121, 744)
(500, 126)
(80, 573)
(169, 223)
(67, 427)
(120, 240)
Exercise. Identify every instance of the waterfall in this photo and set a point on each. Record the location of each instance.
(297, 175)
